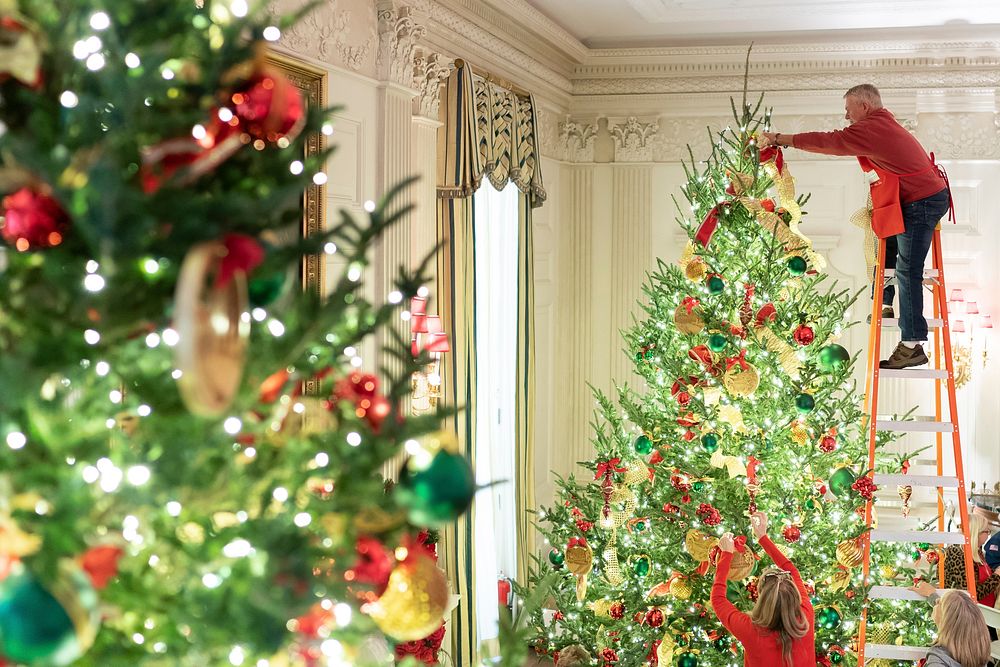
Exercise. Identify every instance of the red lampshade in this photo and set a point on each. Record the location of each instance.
(957, 295)
(438, 343)
(985, 322)
(418, 305)
(418, 324)
(971, 308)
(958, 326)
(434, 324)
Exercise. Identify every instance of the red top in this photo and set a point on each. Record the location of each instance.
(983, 573)
(762, 647)
(886, 143)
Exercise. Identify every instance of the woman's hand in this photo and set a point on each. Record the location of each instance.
(726, 543)
(923, 588)
(758, 521)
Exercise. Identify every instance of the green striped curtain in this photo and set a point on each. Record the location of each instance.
(487, 132)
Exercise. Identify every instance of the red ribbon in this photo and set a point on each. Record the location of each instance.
(576, 542)
(740, 543)
(605, 468)
(243, 253)
(773, 153)
(707, 228)
(740, 359)
(689, 303)
(767, 313)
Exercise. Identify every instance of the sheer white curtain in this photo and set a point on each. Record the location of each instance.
(496, 231)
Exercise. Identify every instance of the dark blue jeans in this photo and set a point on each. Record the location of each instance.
(889, 291)
(919, 220)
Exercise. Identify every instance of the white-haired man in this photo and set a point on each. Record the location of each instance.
(909, 198)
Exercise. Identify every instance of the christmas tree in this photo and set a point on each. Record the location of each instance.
(749, 405)
(191, 445)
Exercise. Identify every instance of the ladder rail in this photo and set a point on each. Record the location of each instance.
(963, 502)
(871, 403)
(939, 437)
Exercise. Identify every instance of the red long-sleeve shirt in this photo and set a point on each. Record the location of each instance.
(760, 646)
(886, 143)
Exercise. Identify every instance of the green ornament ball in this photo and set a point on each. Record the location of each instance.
(722, 644)
(643, 445)
(834, 358)
(716, 284)
(641, 567)
(640, 526)
(35, 627)
(811, 504)
(841, 480)
(710, 442)
(805, 403)
(828, 618)
(796, 265)
(698, 486)
(556, 557)
(687, 660)
(682, 641)
(265, 290)
(650, 353)
(717, 342)
(436, 490)
(836, 657)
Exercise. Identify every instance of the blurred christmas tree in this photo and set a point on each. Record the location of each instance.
(191, 454)
(750, 403)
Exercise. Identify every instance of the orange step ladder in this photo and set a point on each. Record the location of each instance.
(938, 326)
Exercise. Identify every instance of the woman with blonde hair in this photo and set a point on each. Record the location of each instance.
(987, 581)
(962, 637)
(780, 630)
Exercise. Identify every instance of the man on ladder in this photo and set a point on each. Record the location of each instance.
(910, 195)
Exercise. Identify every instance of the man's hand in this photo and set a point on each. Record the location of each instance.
(758, 521)
(923, 588)
(726, 543)
(765, 139)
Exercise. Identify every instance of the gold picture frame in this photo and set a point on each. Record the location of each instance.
(312, 82)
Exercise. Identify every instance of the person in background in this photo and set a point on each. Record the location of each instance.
(962, 639)
(987, 578)
(781, 628)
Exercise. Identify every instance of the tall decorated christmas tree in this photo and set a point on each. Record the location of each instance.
(190, 443)
(749, 404)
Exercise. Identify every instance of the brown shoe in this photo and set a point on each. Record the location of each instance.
(888, 312)
(905, 357)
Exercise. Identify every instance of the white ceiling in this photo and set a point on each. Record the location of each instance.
(624, 23)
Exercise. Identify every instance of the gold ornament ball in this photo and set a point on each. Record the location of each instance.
(742, 566)
(414, 603)
(579, 559)
(696, 270)
(850, 553)
(680, 588)
(887, 572)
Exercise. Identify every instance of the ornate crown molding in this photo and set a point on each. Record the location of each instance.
(326, 32)
(429, 73)
(633, 139)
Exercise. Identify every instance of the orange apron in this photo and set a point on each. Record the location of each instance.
(887, 212)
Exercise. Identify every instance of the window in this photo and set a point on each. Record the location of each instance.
(496, 243)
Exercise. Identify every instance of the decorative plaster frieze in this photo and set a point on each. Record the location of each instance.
(794, 50)
(578, 140)
(325, 34)
(633, 139)
(398, 34)
(429, 72)
(805, 80)
(961, 135)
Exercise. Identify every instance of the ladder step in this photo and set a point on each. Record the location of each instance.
(916, 480)
(893, 652)
(893, 593)
(928, 273)
(913, 373)
(893, 322)
(929, 536)
(914, 426)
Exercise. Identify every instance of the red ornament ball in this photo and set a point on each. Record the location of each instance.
(32, 219)
(932, 556)
(617, 611)
(791, 534)
(655, 618)
(804, 334)
(268, 108)
(827, 444)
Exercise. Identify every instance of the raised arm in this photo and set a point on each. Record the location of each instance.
(758, 522)
(734, 620)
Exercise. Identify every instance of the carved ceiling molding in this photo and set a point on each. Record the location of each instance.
(325, 34)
